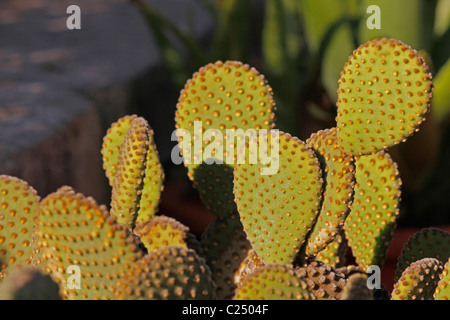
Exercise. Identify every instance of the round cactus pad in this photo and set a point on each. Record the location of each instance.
(372, 219)
(384, 94)
(79, 240)
(170, 273)
(418, 281)
(274, 282)
(426, 243)
(219, 107)
(278, 209)
(19, 203)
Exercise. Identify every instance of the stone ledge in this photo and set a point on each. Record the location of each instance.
(61, 89)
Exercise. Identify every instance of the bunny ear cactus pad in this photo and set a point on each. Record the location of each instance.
(338, 170)
(278, 210)
(372, 219)
(73, 230)
(112, 142)
(139, 176)
(215, 109)
(443, 288)
(384, 94)
(427, 243)
(335, 252)
(162, 231)
(274, 282)
(19, 203)
(418, 281)
(170, 273)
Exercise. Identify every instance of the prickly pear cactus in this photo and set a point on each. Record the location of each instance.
(324, 281)
(19, 203)
(163, 231)
(419, 280)
(278, 209)
(29, 284)
(215, 109)
(442, 291)
(426, 243)
(370, 225)
(73, 231)
(132, 166)
(112, 142)
(274, 282)
(384, 94)
(335, 252)
(169, 273)
(338, 174)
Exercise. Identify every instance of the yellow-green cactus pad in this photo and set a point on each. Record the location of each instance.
(278, 209)
(152, 184)
(426, 243)
(163, 231)
(384, 94)
(112, 142)
(219, 107)
(79, 240)
(338, 174)
(250, 264)
(372, 220)
(323, 280)
(225, 246)
(138, 179)
(222, 95)
(419, 280)
(19, 203)
(130, 173)
(170, 273)
(356, 288)
(335, 252)
(443, 288)
(274, 282)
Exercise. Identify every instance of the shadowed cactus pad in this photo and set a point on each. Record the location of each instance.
(29, 284)
(19, 203)
(162, 231)
(418, 281)
(72, 231)
(278, 210)
(443, 288)
(338, 174)
(169, 273)
(225, 246)
(138, 177)
(384, 93)
(112, 142)
(356, 288)
(274, 282)
(427, 243)
(324, 281)
(370, 225)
